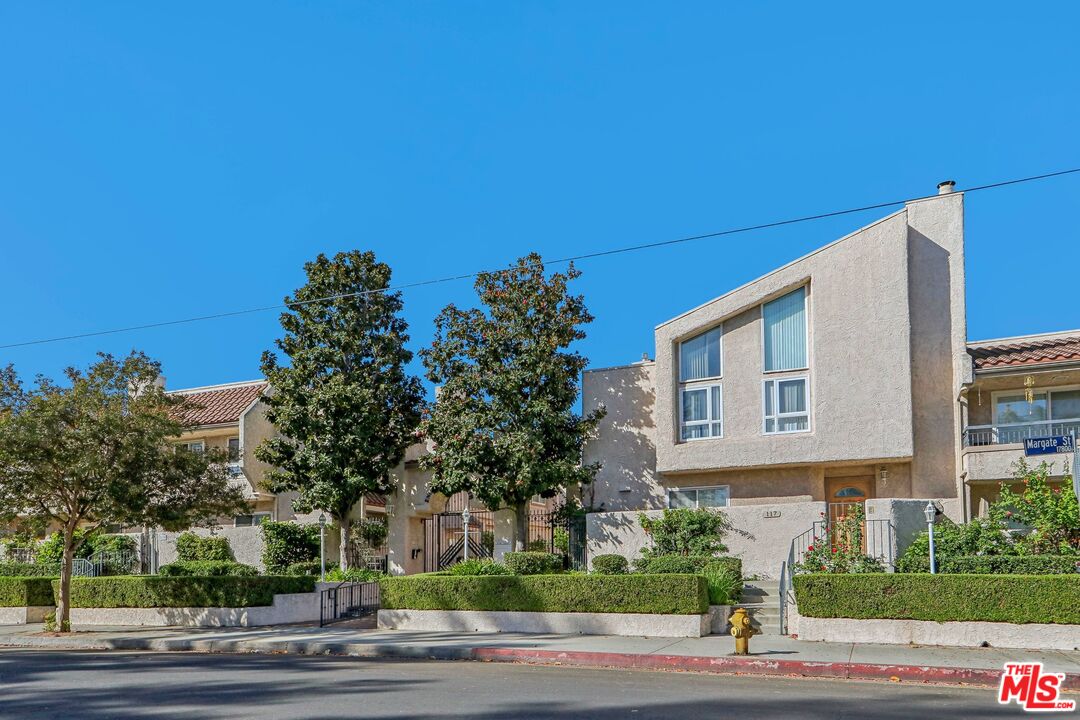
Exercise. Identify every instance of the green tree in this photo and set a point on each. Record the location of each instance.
(1052, 513)
(503, 427)
(96, 451)
(686, 531)
(344, 403)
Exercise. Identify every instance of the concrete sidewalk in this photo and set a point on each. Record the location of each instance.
(771, 654)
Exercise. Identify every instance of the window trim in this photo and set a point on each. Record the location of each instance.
(695, 488)
(806, 329)
(777, 415)
(708, 422)
(188, 445)
(268, 516)
(720, 353)
(1049, 390)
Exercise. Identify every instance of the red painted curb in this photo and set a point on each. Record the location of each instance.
(756, 666)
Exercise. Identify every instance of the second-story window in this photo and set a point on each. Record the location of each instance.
(786, 406)
(784, 332)
(194, 446)
(234, 449)
(701, 397)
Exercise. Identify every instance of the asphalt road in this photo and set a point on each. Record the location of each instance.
(81, 684)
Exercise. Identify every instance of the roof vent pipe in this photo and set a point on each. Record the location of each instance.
(946, 187)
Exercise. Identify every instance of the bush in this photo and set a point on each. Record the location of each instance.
(683, 531)
(336, 574)
(941, 598)
(610, 565)
(308, 567)
(26, 591)
(158, 591)
(725, 586)
(666, 564)
(981, 536)
(666, 594)
(14, 569)
(191, 547)
(287, 543)
(540, 546)
(207, 568)
(476, 566)
(532, 563)
(998, 564)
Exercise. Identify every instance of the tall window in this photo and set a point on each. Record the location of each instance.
(234, 449)
(784, 328)
(701, 398)
(786, 405)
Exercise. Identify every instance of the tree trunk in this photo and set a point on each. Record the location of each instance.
(343, 551)
(63, 605)
(521, 526)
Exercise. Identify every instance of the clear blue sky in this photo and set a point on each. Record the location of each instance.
(162, 161)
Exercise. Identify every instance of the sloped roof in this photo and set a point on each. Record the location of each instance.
(1028, 352)
(220, 404)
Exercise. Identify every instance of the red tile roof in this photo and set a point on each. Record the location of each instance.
(1030, 352)
(219, 405)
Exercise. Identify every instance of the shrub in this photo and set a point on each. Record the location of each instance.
(540, 546)
(532, 563)
(981, 536)
(308, 567)
(998, 564)
(479, 566)
(661, 594)
(26, 591)
(286, 543)
(941, 598)
(725, 586)
(685, 531)
(159, 591)
(207, 568)
(1053, 514)
(372, 532)
(192, 547)
(14, 569)
(610, 565)
(666, 564)
(336, 574)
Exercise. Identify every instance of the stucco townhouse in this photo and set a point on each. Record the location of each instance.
(842, 377)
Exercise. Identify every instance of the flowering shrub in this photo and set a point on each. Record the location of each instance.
(1052, 513)
(839, 548)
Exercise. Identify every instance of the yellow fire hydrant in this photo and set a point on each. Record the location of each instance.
(742, 631)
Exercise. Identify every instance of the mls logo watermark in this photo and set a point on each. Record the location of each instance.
(1032, 689)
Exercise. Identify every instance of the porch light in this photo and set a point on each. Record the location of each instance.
(883, 475)
(931, 513)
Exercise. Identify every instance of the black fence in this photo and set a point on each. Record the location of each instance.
(444, 538)
(348, 601)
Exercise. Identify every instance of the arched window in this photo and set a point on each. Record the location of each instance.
(849, 492)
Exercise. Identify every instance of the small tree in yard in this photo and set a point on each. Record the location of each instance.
(503, 427)
(685, 531)
(96, 452)
(345, 405)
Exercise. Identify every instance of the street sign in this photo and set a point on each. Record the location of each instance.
(1048, 445)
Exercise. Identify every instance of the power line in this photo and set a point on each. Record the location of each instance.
(584, 256)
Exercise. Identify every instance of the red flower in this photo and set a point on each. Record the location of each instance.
(1008, 513)
(810, 549)
(834, 549)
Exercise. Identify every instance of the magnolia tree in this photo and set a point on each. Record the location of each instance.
(95, 451)
(503, 427)
(344, 403)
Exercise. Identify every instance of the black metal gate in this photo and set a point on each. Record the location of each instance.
(444, 538)
(348, 601)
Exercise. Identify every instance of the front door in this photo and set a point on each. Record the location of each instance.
(844, 495)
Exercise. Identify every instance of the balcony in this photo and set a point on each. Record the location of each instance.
(1016, 433)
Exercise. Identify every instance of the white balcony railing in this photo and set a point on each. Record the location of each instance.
(1011, 433)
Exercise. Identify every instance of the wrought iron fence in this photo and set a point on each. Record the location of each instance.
(1011, 433)
(348, 601)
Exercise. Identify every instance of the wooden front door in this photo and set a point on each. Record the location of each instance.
(843, 495)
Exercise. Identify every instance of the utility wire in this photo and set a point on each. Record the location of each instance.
(584, 256)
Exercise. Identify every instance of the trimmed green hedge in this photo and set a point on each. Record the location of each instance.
(659, 594)
(15, 569)
(943, 597)
(26, 591)
(610, 564)
(532, 563)
(999, 564)
(149, 591)
(207, 568)
(664, 564)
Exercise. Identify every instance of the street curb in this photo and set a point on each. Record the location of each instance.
(728, 665)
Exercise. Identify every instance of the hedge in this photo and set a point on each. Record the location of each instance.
(532, 563)
(26, 591)
(191, 547)
(207, 568)
(664, 564)
(16, 569)
(659, 594)
(610, 564)
(942, 597)
(159, 591)
(999, 564)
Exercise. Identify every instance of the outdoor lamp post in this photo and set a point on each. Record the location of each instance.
(465, 516)
(931, 513)
(322, 547)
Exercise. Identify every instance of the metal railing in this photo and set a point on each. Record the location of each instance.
(348, 601)
(1011, 433)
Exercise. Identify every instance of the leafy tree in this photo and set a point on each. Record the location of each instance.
(503, 427)
(686, 531)
(96, 451)
(345, 405)
(1052, 513)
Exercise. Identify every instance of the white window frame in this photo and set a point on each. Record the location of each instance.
(777, 415)
(697, 505)
(720, 354)
(193, 445)
(806, 330)
(1049, 390)
(708, 387)
(266, 517)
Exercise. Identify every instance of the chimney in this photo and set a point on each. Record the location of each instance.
(946, 187)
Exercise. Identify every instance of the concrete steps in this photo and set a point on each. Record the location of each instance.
(761, 598)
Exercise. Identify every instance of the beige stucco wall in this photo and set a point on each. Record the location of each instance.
(859, 356)
(625, 443)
